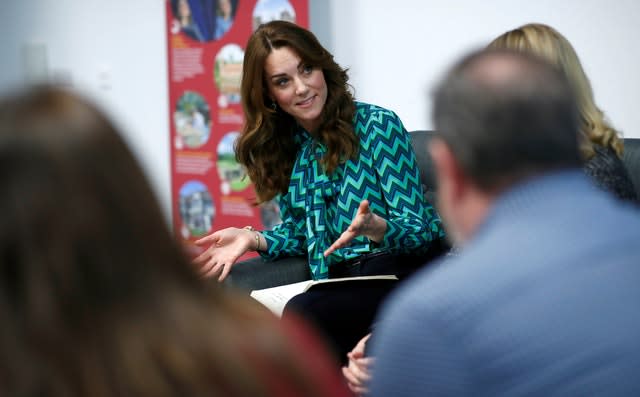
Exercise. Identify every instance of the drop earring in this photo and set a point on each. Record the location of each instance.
(274, 105)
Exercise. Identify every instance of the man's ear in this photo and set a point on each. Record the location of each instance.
(447, 169)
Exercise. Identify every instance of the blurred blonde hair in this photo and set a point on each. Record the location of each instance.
(548, 43)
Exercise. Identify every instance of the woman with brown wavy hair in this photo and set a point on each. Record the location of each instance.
(96, 297)
(344, 172)
(602, 147)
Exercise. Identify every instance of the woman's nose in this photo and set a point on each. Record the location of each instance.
(301, 87)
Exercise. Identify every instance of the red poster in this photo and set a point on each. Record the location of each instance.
(205, 40)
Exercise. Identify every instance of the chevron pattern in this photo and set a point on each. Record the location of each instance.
(317, 207)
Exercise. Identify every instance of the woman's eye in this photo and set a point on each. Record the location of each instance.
(307, 69)
(282, 82)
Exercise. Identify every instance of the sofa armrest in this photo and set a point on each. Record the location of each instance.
(256, 273)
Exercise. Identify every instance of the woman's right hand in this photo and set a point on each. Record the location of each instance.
(226, 246)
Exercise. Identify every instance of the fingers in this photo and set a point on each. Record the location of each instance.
(339, 243)
(356, 228)
(364, 207)
(211, 268)
(358, 391)
(226, 268)
(359, 369)
(218, 265)
(203, 257)
(355, 380)
(358, 350)
(214, 240)
(208, 262)
(350, 376)
(364, 219)
(364, 363)
(207, 239)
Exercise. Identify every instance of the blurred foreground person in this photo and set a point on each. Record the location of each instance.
(543, 297)
(96, 298)
(601, 146)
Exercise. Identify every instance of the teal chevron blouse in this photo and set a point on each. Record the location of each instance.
(318, 207)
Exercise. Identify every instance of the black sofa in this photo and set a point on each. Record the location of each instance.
(256, 273)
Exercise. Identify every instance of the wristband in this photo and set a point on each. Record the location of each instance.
(256, 235)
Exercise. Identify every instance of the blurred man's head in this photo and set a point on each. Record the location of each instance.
(501, 117)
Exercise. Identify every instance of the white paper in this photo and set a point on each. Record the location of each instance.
(275, 298)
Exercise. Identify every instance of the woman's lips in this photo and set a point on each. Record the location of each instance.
(307, 102)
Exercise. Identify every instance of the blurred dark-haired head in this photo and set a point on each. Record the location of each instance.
(506, 116)
(96, 297)
(82, 238)
(76, 203)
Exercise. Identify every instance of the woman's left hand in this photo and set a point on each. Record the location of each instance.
(365, 223)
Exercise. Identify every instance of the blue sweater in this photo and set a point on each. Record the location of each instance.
(545, 300)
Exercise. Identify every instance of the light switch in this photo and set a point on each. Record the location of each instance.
(35, 62)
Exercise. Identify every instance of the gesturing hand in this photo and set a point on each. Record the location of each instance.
(365, 223)
(358, 370)
(227, 245)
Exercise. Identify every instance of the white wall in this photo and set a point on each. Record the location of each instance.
(396, 51)
(111, 50)
(115, 51)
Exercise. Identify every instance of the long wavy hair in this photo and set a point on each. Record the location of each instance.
(546, 42)
(96, 296)
(266, 146)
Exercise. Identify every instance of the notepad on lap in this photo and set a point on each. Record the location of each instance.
(275, 298)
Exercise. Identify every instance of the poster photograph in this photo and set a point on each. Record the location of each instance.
(205, 49)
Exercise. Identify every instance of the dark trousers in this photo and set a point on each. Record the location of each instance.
(343, 312)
